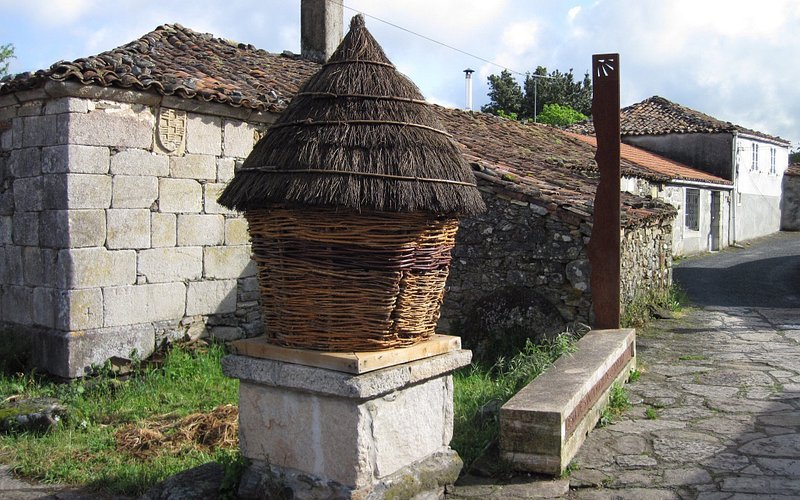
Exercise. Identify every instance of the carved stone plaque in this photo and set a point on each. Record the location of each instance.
(171, 130)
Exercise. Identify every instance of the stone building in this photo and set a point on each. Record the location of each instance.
(110, 168)
(702, 200)
(539, 185)
(111, 239)
(790, 203)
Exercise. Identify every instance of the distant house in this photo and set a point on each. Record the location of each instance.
(701, 199)
(111, 240)
(753, 161)
(790, 203)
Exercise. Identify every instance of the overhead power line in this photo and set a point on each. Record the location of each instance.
(433, 40)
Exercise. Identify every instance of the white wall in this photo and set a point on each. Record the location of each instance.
(757, 210)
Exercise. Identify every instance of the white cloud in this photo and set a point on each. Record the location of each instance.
(519, 38)
(573, 13)
(50, 12)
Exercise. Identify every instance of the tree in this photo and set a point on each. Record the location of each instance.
(539, 89)
(557, 88)
(794, 156)
(556, 114)
(6, 53)
(505, 94)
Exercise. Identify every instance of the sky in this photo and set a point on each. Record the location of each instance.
(735, 60)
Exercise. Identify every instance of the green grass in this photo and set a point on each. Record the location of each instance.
(82, 449)
(480, 390)
(638, 311)
(651, 413)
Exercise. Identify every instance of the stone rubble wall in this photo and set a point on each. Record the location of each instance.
(517, 243)
(790, 203)
(645, 259)
(110, 242)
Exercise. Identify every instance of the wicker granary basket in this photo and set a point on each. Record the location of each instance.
(339, 281)
(352, 199)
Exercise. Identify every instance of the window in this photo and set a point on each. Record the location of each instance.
(754, 165)
(772, 162)
(692, 209)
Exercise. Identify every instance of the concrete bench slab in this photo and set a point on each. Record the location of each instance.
(543, 426)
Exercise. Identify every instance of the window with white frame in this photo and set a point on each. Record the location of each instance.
(754, 164)
(692, 208)
(773, 169)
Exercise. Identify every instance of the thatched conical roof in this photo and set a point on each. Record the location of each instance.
(358, 135)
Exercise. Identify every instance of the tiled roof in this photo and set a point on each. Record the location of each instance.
(659, 116)
(173, 60)
(535, 163)
(670, 169)
(793, 170)
(539, 163)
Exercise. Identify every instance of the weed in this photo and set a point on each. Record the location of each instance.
(692, 357)
(480, 390)
(651, 414)
(639, 310)
(234, 465)
(634, 376)
(617, 403)
(569, 469)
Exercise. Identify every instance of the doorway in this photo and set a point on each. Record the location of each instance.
(715, 218)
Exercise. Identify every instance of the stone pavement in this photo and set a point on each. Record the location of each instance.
(715, 415)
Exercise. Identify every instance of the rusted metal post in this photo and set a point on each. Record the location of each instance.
(604, 246)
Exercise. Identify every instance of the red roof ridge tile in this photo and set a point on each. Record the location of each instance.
(666, 167)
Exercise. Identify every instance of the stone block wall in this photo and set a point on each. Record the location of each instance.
(112, 241)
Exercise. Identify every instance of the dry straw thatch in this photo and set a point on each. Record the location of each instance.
(358, 135)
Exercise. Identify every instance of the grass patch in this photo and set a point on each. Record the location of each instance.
(480, 390)
(617, 403)
(160, 400)
(651, 413)
(639, 311)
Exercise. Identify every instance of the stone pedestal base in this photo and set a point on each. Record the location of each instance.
(353, 436)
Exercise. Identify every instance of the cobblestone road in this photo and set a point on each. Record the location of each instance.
(715, 413)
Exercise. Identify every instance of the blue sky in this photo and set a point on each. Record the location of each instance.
(735, 60)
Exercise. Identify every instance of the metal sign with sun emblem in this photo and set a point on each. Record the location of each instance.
(171, 129)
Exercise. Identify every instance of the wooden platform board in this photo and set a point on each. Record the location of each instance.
(348, 362)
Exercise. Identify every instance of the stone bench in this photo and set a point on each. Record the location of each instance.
(543, 426)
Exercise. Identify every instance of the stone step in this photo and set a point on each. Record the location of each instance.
(543, 426)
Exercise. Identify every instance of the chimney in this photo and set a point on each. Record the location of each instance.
(320, 28)
(468, 75)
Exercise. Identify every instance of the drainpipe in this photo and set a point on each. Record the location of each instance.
(321, 28)
(468, 84)
(735, 171)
